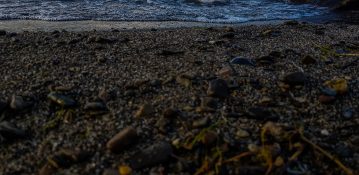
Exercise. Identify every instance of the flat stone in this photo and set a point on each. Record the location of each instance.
(95, 106)
(218, 88)
(243, 61)
(61, 100)
(295, 79)
(156, 154)
(242, 133)
(122, 140)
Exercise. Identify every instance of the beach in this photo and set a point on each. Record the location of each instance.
(97, 97)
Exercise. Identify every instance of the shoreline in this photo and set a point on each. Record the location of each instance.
(89, 25)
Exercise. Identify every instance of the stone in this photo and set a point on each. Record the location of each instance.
(348, 113)
(242, 133)
(308, 60)
(110, 171)
(325, 99)
(228, 35)
(324, 132)
(295, 79)
(226, 71)
(340, 85)
(200, 122)
(171, 113)
(9, 132)
(2, 32)
(61, 100)
(329, 92)
(156, 154)
(266, 60)
(243, 61)
(261, 113)
(210, 137)
(145, 110)
(209, 102)
(18, 103)
(122, 140)
(104, 95)
(95, 106)
(218, 88)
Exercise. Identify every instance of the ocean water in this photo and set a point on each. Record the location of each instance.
(220, 11)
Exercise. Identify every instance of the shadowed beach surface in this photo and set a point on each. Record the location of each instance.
(253, 99)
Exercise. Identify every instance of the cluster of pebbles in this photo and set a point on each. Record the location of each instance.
(122, 102)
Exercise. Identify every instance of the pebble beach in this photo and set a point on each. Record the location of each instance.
(253, 99)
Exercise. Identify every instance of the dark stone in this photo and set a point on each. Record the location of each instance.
(122, 140)
(348, 113)
(2, 32)
(295, 79)
(266, 60)
(261, 113)
(326, 99)
(10, 132)
(218, 88)
(95, 106)
(243, 61)
(153, 155)
(329, 91)
(308, 60)
(61, 100)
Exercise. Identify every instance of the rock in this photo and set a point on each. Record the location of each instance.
(104, 95)
(61, 100)
(47, 169)
(226, 71)
(18, 103)
(228, 35)
(2, 32)
(122, 140)
(9, 132)
(326, 99)
(209, 138)
(171, 113)
(184, 80)
(144, 111)
(156, 154)
(111, 171)
(308, 60)
(266, 60)
(348, 113)
(209, 102)
(328, 91)
(218, 88)
(243, 61)
(95, 106)
(261, 113)
(242, 133)
(324, 132)
(339, 85)
(295, 79)
(200, 122)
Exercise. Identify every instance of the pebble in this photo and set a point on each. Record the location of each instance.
(18, 103)
(10, 132)
(324, 132)
(243, 61)
(218, 88)
(242, 133)
(329, 91)
(61, 100)
(110, 171)
(226, 71)
(348, 113)
(308, 60)
(104, 95)
(339, 85)
(171, 113)
(201, 122)
(295, 79)
(122, 140)
(145, 110)
(261, 113)
(95, 106)
(326, 99)
(265, 60)
(2, 32)
(156, 154)
(209, 138)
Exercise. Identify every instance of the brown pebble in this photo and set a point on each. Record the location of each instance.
(122, 140)
(326, 99)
